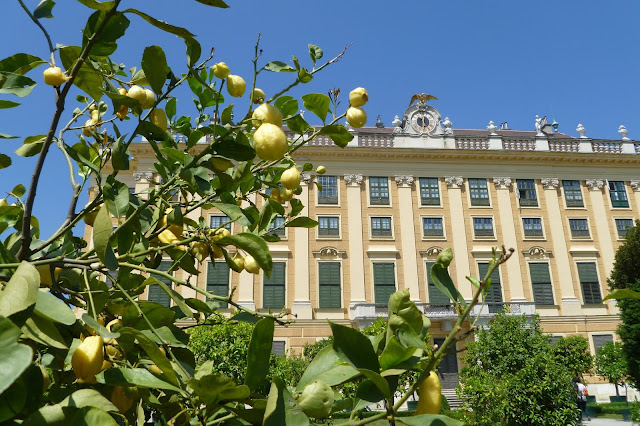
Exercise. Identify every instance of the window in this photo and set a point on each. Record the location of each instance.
(379, 191)
(478, 192)
(432, 227)
(579, 228)
(381, 227)
(554, 339)
(573, 193)
(541, 282)
(435, 295)
(329, 226)
(429, 192)
(329, 285)
(156, 293)
(483, 226)
(273, 295)
(599, 340)
(623, 225)
(329, 192)
(217, 221)
(618, 194)
(494, 294)
(589, 282)
(384, 281)
(276, 226)
(527, 193)
(277, 348)
(532, 226)
(218, 280)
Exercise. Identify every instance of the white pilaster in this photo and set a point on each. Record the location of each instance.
(142, 183)
(408, 235)
(302, 303)
(356, 247)
(514, 276)
(596, 187)
(460, 247)
(245, 285)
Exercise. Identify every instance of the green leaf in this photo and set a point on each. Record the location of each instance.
(282, 408)
(154, 353)
(328, 367)
(298, 125)
(120, 155)
(426, 420)
(102, 230)
(8, 104)
(235, 151)
(174, 295)
(15, 84)
(338, 134)
(20, 63)
(442, 280)
(87, 79)
(105, 42)
(43, 9)
(622, 293)
(253, 245)
(94, 4)
(302, 222)
(213, 388)
(13, 400)
(394, 353)
(88, 398)
(180, 32)
(19, 190)
(99, 328)
(50, 307)
(259, 353)
(318, 104)
(21, 292)
(315, 53)
(5, 136)
(214, 3)
(116, 196)
(277, 66)
(119, 100)
(157, 314)
(32, 146)
(5, 161)
(354, 348)
(47, 415)
(92, 416)
(304, 76)
(133, 376)
(43, 331)
(287, 105)
(170, 108)
(154, 65)
(14, 357)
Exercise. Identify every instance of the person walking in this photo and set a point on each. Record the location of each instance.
(582, 391)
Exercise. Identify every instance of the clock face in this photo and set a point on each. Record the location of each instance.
(423, 122)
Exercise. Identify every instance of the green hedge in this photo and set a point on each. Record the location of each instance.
(609, 408)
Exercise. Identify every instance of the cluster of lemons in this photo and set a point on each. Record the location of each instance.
(356, 116)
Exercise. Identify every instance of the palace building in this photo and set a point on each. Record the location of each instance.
(397, 196)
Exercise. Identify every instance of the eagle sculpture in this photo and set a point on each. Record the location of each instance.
(423, 97)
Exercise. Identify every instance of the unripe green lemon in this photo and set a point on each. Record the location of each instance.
(221, 70)
(316, 399)
(356, 117)
(199, 250)
(257, 96)
(218, 234)
(321, 170)
(430, 392)
(270, 142)
(216, 251)
(266, 113)
(358, 97)
(290, 178)
(220, 165)
(250, 264)
(286, 194)
(88, 358)
(54, 76)
(275, 195)
(239, 261)
(445, 257)
(159, 118)
(90, 217)
(236, 85)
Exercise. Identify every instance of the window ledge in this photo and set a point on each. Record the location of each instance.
(535, 238)
(388, 238)
(434, 237)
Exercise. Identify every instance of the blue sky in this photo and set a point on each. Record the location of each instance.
(573, 61)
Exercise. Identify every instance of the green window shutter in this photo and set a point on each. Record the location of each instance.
(588, 275)
(329, 285)
(156, 294)
(494, 295)
(274, 287)
(435, 295)
(541, 282)
(599, 340)
(384, 281)
(218, 280)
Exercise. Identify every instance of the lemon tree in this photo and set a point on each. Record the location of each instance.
(77, 343)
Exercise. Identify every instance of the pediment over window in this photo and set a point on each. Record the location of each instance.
(330, 253)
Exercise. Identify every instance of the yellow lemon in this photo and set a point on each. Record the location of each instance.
(250, 264)
(159, 118)
(199, 250)
(88, 358)
(321, 170)
(90, 127)
(54, 76)
(356, 117)
(290, 178)
(270, 142)
(358, 97)
(430, 392)
(286, 194)
(221, 165)
(90, 217)
(266, 113)
(239, 261)
(236, 85)
(275, 195)
(257, 96)
(216, 251)
(122, 402)
(221, 70)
